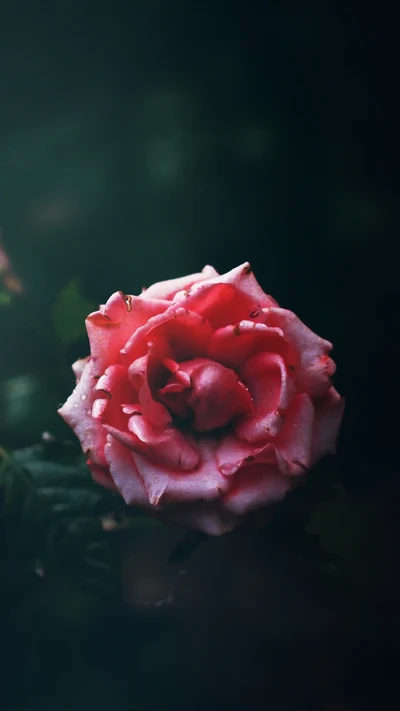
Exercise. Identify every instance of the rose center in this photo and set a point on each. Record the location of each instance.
(207, 394)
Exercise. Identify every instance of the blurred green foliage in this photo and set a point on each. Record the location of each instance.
(69, 312)
(50, 514)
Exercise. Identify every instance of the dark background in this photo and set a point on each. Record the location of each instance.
(139, 141)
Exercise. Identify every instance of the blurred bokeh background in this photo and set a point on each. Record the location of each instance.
(139, 141)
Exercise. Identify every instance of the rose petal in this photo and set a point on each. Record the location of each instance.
(78, 367)
(232, 453)
(178, 334)
(293, 444)
(165, 445)
(206, 483)
(312, 374)
(167, 289)
(221, 304)
(101, 475)
(328, 417)
(139, 374)
(115, 387)
(111, 327)
(233, 345)
(125, 474)
(216, 394)
(255, 486)
(272, 390)
(77, 413)
(243, 278)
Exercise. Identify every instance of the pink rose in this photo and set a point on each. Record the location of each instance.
(202, 401)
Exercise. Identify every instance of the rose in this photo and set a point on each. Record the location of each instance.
(202, 401)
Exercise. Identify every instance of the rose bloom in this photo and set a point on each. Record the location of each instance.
(202, 401)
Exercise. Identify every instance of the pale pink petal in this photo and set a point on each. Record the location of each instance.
(113, 389)
(206, 482)
(77, 413)
(167, 289)
(233, 345)
(113, 381)
(125, 474)
(79, 366)
(111, 327)
(293, 444)
(233, 453)
(166, 445)
(328, 417)
(210, 518)
(312, 374)
(102, 476)
(255, 486)
(127, 439)
(243, 278)
(272, 390)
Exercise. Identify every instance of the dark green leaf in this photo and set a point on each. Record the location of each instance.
(74, 549)
(23, 519)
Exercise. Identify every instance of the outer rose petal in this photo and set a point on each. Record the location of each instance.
(205, 483)
(78, 367)
(244, 279)
(167, 289)
(110, 328)
(165, 445)
(293, 444)
(255, 486)
(328, 417)
(113, 389)
(102, 476)
(315, 368)
(77, 413)
(125, 474)
(233, 453)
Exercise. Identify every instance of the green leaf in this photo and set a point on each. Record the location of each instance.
(70, 311)
(76, 549)
(23, 519)
(51, 519)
